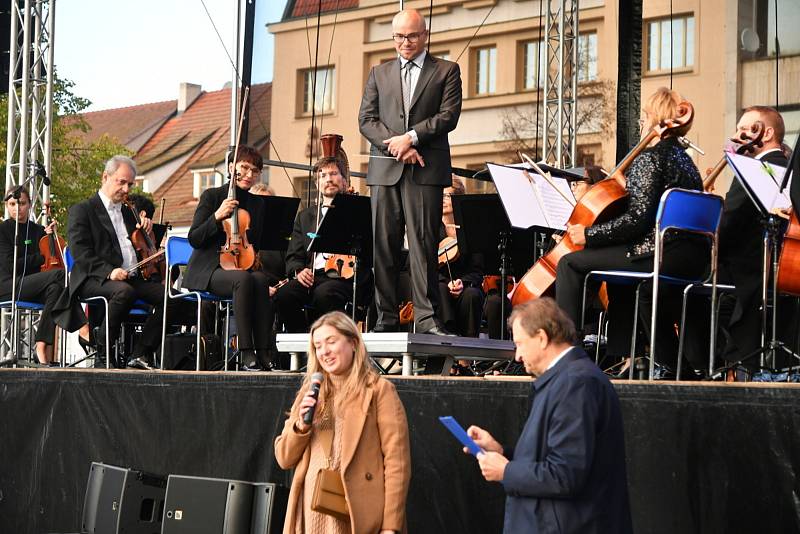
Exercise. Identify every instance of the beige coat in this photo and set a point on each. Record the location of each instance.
(375, 463)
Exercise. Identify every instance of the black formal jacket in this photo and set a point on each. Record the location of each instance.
(29, 260)
(435, 109)
(207, 235)
(567, 471)
(298, 257)
(741, 241)
(656, 169)
(93, 242)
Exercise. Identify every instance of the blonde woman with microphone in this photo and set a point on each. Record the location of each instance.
(352, 461)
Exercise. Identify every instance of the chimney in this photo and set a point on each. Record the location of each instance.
(187, 93)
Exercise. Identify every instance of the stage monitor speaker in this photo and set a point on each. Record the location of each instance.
(197, 505)
(120, 500)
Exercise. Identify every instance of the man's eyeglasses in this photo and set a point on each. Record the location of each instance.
(247, 169)
(412, 37)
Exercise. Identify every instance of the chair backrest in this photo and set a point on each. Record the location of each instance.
(178, 251)
(692, 211)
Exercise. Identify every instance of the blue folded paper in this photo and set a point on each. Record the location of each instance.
(460, 434)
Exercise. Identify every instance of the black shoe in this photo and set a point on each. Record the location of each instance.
(86, 345)
(140, 363)
(253, 367)
(437, 331)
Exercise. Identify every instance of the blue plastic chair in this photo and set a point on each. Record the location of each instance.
(140, 307)
(679, 210)
(177, 253)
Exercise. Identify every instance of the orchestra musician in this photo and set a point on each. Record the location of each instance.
(312, 289)
(33, 285)
(252, 306)
(627, 242)
(460, 280)
(99, 237)
(407, 110)
(741, 250)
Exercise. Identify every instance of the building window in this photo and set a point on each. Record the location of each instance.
(587, 57)
(205, 179)
(533, 57)
(485, 70)
(660, 40)
(321, 96)
(441, 55)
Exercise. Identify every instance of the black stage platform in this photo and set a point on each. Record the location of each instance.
(711, 458)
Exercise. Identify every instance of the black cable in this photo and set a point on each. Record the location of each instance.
(476, 33)
(539, 43)
(777, 57)
(328, 63)
(671, 44)
(314, 103)
(430, 23)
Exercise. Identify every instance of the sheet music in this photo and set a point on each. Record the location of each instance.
(762, 181)
(531, 204)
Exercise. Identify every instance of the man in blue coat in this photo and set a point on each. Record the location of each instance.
(567, 471)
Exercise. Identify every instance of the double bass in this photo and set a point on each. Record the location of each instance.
(605, 200)
(337, 265)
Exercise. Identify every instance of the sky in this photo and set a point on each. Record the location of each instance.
(123, 53)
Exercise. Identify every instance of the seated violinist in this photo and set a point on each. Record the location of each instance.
(314, 289)
(460, 279)
(249, 287)
(626, 242)
(33, 285)
(100, 231)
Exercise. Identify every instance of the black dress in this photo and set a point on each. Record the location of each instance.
(32, 285)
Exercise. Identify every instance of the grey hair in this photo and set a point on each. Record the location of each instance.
(113, 164)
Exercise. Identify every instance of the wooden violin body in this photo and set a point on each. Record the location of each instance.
(448, 251)
(237, 254)
(51, 247)
(340, 266)
(492, 283)
(151, 259)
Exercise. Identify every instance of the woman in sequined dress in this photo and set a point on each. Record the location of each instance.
(627, 242)
(369, 447)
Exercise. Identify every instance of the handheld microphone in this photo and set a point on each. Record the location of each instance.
(316, 381)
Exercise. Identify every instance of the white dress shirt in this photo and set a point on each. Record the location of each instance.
(558, 358)
(115, 214)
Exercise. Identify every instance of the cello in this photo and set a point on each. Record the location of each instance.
(605, 200)
(789, 262)
(747, 145)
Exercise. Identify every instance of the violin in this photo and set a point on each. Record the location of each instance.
(406, 312)
(492, 283)
(151, 259)
(602, 202)
(51, 246)
(748, 143)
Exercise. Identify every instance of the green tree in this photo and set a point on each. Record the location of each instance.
(76, 164)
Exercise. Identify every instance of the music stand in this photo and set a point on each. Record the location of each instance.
(346, 228)
(766, 192)
(277, 222)
(483, 228)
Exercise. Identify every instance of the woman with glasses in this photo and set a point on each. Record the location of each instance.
(252, 306)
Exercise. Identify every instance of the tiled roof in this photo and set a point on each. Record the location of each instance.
(127, 125)
(203, 133)
(303, 8)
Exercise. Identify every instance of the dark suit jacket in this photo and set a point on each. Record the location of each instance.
(567, 472)
(93, 242)
(435, 109)
(207, 235)
(29, 263)
(741, 244)
(298, 257)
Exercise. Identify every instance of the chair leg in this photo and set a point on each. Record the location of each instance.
(682, 331)
(227, 334)
(599, 334)
(197, 333)
(108, 341)
(633, 333)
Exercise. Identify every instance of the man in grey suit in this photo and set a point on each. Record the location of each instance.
(407, 110)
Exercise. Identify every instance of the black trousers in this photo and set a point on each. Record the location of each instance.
(492, 312)
(462, 314)
(326, 295)
(682, 258)
(251, 305)
(416, 209)
(42, 288)
(121, 295)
